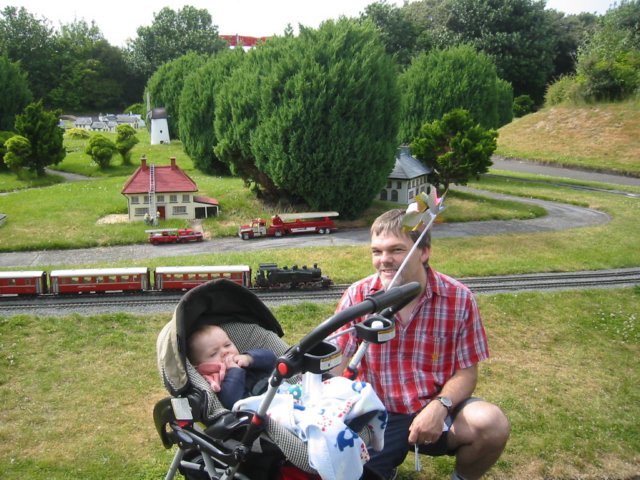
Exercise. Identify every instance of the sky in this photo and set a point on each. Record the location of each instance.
(119, 19)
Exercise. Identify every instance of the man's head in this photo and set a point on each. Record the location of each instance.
(390, 245)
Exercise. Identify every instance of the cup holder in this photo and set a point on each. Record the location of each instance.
(322, 358)
(376, 329)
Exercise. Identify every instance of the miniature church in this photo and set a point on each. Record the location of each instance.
(165, 192)
(407, 179)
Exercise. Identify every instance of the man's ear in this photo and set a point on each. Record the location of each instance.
(425, 253)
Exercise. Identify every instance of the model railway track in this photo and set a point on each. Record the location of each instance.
(167, 301)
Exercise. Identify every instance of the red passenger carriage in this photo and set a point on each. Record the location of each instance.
(23, 283)
(185, 278)
(99, 280)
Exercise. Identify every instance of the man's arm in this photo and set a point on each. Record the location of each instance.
(427, 426)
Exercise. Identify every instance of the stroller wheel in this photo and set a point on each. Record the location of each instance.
(193, 467)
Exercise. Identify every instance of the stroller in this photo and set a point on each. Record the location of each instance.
(216, 443)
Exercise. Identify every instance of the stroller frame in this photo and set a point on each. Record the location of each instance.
(178, 418)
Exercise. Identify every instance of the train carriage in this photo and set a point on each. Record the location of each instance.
(23, 283)
(100, 280)
(186, 278)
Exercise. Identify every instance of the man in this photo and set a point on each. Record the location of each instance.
(426, 375)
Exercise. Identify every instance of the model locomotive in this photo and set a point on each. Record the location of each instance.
(270, 276)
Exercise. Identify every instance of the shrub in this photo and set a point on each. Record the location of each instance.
(101, 150)
(77, 134)
(522, 105)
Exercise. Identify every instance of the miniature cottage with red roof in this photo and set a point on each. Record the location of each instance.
(165, 192)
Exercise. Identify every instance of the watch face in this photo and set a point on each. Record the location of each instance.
(446, 401)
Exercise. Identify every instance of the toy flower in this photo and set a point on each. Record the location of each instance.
(425, 208)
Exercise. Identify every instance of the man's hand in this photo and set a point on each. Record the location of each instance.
(427, 425)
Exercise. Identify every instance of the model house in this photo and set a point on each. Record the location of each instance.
(407, 179)
(164, 192)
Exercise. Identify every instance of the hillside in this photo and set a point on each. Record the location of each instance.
(604, 137)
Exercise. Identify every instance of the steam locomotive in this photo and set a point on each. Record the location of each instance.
(270, 276)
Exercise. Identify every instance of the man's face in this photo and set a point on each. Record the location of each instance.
(388, 251)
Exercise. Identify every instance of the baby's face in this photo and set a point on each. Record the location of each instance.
(212, 345)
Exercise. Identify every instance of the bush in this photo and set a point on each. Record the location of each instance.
(504, 102)
(522, 105)
(77, 134)
(566, 89)
(137, 109)
(4, 136)
(101, 150)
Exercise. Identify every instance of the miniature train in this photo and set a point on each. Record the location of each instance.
(160, 279)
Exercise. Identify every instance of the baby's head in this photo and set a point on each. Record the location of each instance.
(210, 343)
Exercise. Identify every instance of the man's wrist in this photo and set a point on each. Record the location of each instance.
(445, 402)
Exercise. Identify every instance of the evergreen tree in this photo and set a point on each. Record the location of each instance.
(125, 140)
(197, 109)
(41, 128)
(165, 87)
(14, 92)
(443, 80)
(455, 147)
(326, 117)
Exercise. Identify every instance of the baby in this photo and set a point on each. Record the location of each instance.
(232, 375)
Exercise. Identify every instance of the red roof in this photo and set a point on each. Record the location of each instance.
(207, 200)
(244, 40)
(169, 178)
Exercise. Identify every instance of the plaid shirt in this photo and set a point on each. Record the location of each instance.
(445, 334)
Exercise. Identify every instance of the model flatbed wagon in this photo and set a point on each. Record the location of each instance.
(174, 235)
(289, 223)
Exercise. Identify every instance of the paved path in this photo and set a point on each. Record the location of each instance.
(516, 165)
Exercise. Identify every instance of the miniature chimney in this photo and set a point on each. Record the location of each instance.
(173, 163)
(143, 163)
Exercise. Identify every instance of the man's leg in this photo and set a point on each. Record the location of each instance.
(395, 446)
(478, 435)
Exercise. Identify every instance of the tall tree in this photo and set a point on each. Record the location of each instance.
(517, 34)
(198, 105)
(165, 86)
(30, 40)
(398, 34)
(40, 128)
(609, 64)
(326, 118)
(443, 80)
(14, 92)
(91, 74)
(171, 35)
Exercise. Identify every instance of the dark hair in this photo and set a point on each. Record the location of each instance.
(391, 222)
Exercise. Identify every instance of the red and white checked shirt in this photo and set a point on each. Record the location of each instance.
(445, 334)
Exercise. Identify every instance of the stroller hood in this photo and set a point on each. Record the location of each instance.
(216, 302)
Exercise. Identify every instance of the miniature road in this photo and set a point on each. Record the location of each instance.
(559, 217)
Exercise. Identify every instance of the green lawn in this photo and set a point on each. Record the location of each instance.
(78, 392)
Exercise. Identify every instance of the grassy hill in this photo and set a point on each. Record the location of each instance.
(603, 137)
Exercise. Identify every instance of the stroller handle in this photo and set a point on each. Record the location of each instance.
(393, 299)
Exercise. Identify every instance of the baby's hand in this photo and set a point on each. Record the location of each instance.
(243, 360)
(230, 361)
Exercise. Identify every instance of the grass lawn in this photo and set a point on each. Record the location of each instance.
(78, 392)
